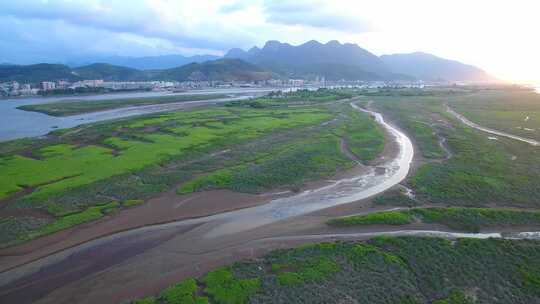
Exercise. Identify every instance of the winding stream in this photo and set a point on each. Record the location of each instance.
(340, 192)
(491, 131)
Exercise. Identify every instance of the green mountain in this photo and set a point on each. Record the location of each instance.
(221, 69)
(148, 62)
(109, 72)
(36, 73)
(216, 70)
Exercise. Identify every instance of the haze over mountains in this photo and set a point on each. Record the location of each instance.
(332, 60)
(311, 60)
(147, 62)
(429, 67)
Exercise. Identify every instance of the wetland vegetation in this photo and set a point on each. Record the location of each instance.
(75, 107)
(404, 270)
(282, 141)
(238, 147)
(463, 166)
(457, 218)
(515, 112)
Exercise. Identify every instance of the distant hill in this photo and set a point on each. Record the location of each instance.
(36, 73)
(148, 62)
(429, 67)
(332, 60)
(221, 69)
(109, 72)
(214, 70)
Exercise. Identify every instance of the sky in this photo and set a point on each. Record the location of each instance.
(498, 36)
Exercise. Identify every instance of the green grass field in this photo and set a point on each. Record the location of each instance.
(463, 219)
(404, 270)
(64, 166)
(414, 116)
(74, 107)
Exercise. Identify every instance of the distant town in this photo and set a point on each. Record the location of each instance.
(96, 86)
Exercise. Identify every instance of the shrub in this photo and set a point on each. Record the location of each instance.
(182, 293)
(225, 289)
(378, 218)
(131, 203)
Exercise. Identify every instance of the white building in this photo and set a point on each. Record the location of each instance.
(48, 85)
(296, 82)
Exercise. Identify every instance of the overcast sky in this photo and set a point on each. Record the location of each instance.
(498, 36)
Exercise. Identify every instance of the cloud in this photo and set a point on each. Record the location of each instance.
(233, 7)
(316, 14)
(60, 29)
(184, 24)
(58, 41)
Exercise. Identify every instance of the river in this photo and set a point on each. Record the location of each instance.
(15, 123)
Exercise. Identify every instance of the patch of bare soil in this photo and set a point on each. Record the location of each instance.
(166, 207)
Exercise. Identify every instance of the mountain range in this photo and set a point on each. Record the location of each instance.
(311, 60)
(348, 61)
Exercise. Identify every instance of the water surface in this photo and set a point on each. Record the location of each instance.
(15, 123)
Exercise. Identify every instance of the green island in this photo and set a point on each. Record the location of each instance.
(404, 270)
(74, 107)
